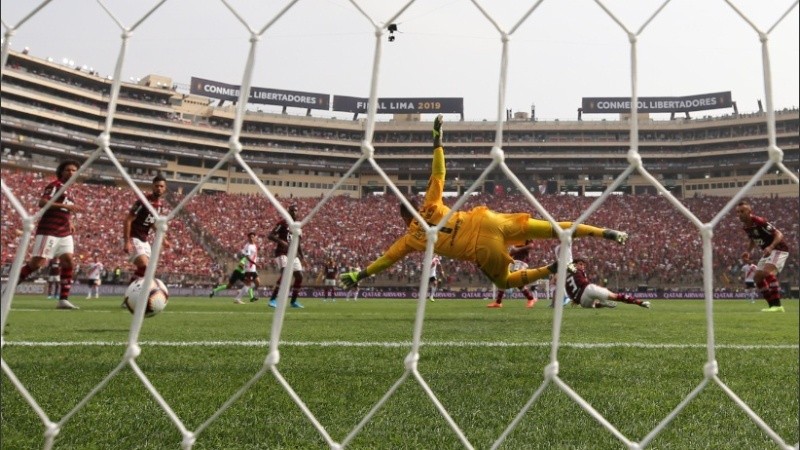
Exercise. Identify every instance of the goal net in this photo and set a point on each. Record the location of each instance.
(620, 28)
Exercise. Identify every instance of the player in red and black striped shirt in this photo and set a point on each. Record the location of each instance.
(774, 253)
(281, 235)
(54, 233)
(137, 226)
(589, 295)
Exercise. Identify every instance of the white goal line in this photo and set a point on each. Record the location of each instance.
(579, 345)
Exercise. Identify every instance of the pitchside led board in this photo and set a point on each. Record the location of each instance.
(311, 100)
(622, 105)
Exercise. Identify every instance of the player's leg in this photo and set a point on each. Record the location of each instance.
(531, 299)
(67, 264)
(241, 292)
(140, 258)
(770, 288)
(251, 282)
(498, 299)
(541, 229)
(43, 249)
(297, 282)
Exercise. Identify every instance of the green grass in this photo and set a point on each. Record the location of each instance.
(482, 386)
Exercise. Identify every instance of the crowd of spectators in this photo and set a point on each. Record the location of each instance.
(664, 249)
(98, 228)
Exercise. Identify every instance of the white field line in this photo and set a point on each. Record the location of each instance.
(401, 344)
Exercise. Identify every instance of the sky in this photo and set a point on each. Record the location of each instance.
(559, 51)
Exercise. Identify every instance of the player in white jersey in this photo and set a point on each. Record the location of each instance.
(251, 282)
(436, 271)
(95, 273)
(748, 274)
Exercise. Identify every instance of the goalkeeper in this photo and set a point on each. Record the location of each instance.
(479, 235)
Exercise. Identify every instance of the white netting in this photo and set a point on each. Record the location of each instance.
(257, 36)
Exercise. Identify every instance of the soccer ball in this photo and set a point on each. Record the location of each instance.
(156, 299)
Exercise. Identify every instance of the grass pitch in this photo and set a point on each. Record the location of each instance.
(633, 365)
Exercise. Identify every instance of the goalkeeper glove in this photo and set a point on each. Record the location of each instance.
(437, 131)
(348, 280)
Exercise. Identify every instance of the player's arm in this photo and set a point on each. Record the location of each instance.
(274, 235)
(438, 172)
(127, 224)
(777, 238)
(396, 252)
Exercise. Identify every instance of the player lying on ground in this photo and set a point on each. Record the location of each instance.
(589, 295)
(479, 235)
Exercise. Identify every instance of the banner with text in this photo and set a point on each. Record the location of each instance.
(700, 102)
(422, 105)
(223, 91)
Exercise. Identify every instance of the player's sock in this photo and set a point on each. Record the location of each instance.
(24, 273)
(773, 294)
(138, 273)
(527, 293)
(499, 297)
(66, 283)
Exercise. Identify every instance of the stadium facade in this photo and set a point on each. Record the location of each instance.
(50, 111)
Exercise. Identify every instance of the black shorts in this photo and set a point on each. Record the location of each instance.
(235, 276)
(250, 276)
(749, 284)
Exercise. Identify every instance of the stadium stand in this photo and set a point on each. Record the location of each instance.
(50, 112)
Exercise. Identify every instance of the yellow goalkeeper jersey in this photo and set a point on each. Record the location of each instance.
(458, 238)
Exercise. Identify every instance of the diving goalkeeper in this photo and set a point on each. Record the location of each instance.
(479, 235)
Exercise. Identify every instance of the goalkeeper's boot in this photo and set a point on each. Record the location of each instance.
(619, 236)
(774, 309)
(253, 299)
(553, 268)
(296, 304)
(437, 131)
(211, 295)
(273, 303)
(494, 305)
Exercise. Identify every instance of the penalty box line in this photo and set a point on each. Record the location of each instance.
(405, 344)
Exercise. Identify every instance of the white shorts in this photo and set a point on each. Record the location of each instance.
(50, 247)
(282, 260)
(517, 265)
(139, 248)
(54, 278)
(593, 292)
(330, 282)
(776, 257)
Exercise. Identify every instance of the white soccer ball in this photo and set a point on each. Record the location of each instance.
(156, 299)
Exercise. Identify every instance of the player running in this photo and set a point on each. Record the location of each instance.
(54, 234)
